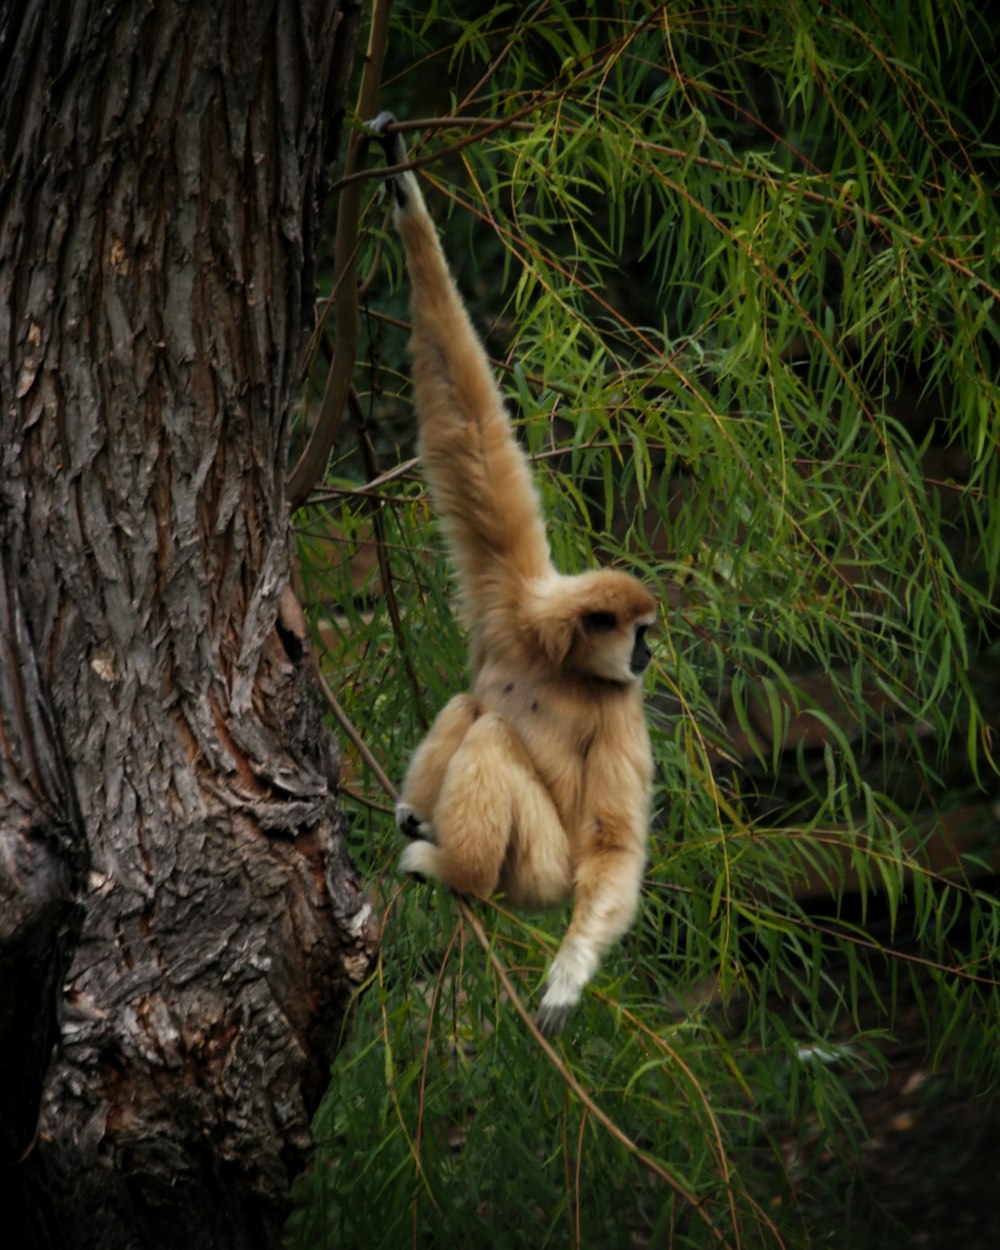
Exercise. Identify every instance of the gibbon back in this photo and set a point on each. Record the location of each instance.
(536, 781)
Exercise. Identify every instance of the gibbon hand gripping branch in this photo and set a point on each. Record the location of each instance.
(536, 782)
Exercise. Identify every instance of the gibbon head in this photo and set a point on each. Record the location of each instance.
(595, 624)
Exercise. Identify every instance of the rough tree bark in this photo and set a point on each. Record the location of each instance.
(180, 926)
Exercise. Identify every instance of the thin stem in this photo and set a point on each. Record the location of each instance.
(312, 463)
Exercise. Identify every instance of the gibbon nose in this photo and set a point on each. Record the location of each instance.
(641, 656)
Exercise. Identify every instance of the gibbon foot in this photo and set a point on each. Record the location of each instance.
(417, 860)
(550, 1020)
(555, 1009)
(411, 825)
(394, 148)
(571, 969)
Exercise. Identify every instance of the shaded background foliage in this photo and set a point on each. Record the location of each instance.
(736, 265)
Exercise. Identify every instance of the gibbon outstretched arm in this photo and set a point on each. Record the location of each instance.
(479, 479)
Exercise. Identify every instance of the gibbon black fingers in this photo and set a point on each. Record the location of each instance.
(380, 125)
(410, 824)
(394, 148)
(550, 1020)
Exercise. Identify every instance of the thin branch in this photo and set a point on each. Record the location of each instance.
(486, 126)
(381, 554)
(359, 744)
(312, 463)
(369, 488)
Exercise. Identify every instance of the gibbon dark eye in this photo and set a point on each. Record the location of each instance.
(600, 622)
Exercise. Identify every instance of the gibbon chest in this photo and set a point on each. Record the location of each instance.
(563, 726)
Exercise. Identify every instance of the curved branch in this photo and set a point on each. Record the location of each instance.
(385, 572)
(312, 463)
(357, 741)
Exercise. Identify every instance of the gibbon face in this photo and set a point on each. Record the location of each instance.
(608, 647)
(595, 624)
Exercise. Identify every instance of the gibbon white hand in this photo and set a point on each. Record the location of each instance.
(537, 781)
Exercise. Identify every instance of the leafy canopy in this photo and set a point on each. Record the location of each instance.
(737, 265)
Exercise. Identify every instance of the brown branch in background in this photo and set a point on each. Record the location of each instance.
(486, 126)
(372, 488)
(312, 463)
(381, 554)
(354, 175)
(359, 744)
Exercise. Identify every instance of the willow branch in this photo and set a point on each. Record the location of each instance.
(359, 744)
(381, 554)
(312, 463)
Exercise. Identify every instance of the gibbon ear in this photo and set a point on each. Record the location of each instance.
(549, 617)
(555, 636)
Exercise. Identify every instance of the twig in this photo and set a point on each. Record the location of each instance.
(359, 744)
(312, 463)
(381, 554)
(369, 488)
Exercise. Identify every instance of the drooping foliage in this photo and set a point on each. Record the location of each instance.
(737, 266)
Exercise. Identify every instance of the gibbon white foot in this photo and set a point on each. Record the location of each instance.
(537, 781)
(417, 859)
(571, 969)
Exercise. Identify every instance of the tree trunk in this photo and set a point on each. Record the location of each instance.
(178, 915)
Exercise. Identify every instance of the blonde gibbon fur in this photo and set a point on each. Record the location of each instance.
(537, 781)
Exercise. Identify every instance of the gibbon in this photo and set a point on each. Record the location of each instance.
(537, 781)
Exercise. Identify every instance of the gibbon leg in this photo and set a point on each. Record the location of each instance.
(494, 823)
(425, 775)
(606, 890)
